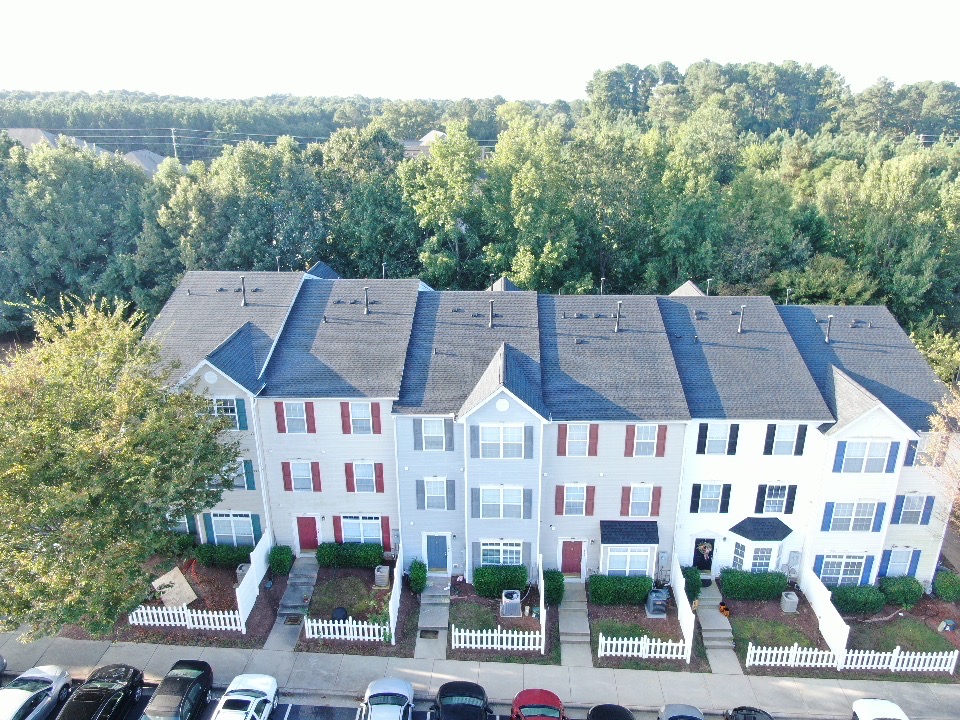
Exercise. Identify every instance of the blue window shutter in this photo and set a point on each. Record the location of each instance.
(914, 562)
(884, 564)
(248, 473)
(897, 510)
(818, 565)
(892, 457)
(474, 441)
(867, 568)
(878, 516)
(208, 528)
(838, 458)
(927, 510)
(241, 414)
(257, 530)
(827, 517)
(911, 456)
(192, 524)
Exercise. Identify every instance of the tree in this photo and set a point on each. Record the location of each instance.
(98, 457)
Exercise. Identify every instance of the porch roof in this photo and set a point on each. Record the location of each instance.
(629, 532)
(759, 529)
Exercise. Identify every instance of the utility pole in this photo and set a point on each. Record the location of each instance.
(173, 138)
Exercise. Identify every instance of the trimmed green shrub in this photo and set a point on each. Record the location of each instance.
(858, 599)
(904, 590)
(491, 580)
(418, 576)
(222, 556)
(554, 586)
(183, 543)
(281, 559)
(691, 582)
(610, 590)
(946, 585)
(743, 585)
(350, 555)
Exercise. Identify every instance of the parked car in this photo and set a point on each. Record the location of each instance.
(248, 697)
(679, 712)
(746, 713)
(108, 694)
(609, 711)
(529, 704)
(877, 709)
(34, 694)
(461, 700)
(183, 693)
(387, 699)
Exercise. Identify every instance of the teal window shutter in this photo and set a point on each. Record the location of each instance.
(257, 530)
(248, 473)
(208, 528)
(241, 414)
(192, 524)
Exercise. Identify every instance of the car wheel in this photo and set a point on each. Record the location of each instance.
(64, 693)
(138, 693)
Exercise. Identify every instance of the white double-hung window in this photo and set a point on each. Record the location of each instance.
(717, 436)
(645, 441)
(434, 435)
(226, 407)
(435, 493)
(361, 529)
(856, 517)
(865, 456)
(785, 439)
(232, 529)
(574, 499)
(641, 500)
(501, 502)
(296, 417)
(501, 553)
(912, 511)
(578, 439)
(841, 569)
(361, 421)
(501, 441)
(626, 560)
(775, 499)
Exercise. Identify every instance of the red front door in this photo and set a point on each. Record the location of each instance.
(307, 530)
(571, 556)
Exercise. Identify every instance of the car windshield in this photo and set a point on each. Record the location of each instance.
(154, 716)
(236, 703)
(185, 673)
(462, 700)
(388, 699)
(31, 685)
(106, 684)
(540, 711)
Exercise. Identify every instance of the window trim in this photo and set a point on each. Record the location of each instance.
(566, 508)
(309, 476)
(214, 515)
(649, 501)
(854, 516)
(906, 565)
(919, 510)
(354, 405)
(362, 520)
(501, 545)
(782, 500)
(501, 504)
(585, 441)
(629, 551)
(216, 410)
(844, 559)
(357, 478)
(870, 443)
(287, 416)
(637, 441)
(719, 497)
(792, 441)
(426, 494)
(712, 436)
(500, 427)
(424, 435)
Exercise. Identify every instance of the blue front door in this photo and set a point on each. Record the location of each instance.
(437, 553)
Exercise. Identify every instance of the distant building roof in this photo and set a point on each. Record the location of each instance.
(688, 289)
(432, 136)
(629, 532)
(323, 271)
(759, 529)
(504, 284)
(147, 160)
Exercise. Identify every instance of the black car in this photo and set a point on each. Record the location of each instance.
(106, 695)
(461, 700)
(183, 694)
(609, 711)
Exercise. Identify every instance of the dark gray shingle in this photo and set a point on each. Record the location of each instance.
(760, 529)
(629, 532)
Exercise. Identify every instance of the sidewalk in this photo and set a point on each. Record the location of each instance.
(326, 679)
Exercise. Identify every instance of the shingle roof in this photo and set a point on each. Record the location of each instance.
(688, 289)
(451, 348)
(629, 532)
(759, 529)
(235, 357)
(868, 345)
(509, 369)
(205, 311)
(351, 354)
(323, 271)
(756, 374)
(592, 372)
(504, 284)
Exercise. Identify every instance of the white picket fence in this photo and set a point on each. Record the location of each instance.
(183, 616)
(894, 661)
(497, 639)
(348, 629)
(641, 647)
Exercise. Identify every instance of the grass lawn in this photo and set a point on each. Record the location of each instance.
(766, 633)
(470, 616)
(910, 634)
(347, 591)
(473, 616)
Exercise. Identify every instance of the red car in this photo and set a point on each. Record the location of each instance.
(530, 704)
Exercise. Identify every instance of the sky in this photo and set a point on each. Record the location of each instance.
(522, 50)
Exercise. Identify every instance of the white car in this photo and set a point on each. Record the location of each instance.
(35, 694)
(248, 697)
(387, 699)
(876, 709)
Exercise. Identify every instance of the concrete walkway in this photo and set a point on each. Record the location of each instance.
(433, 627)
(325, 679)
(717, 633)
(574, 627)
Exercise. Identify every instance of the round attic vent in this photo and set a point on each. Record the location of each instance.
(210, 377)
(503, 405)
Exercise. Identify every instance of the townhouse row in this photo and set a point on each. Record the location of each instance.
(606, 434)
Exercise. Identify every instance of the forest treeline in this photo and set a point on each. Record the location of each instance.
(761, 177)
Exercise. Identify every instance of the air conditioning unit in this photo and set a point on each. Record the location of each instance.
(510, 604)
(381, 576)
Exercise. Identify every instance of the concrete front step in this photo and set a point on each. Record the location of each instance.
(716, 645)
(574, 640)
(716, 632)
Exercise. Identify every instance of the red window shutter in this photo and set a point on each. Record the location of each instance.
(281, 417)
(345, 418)
(594, 437)
(375, 418)
(351, 482)
(378, 476)
(558, 501)
(561, 439)
(287, 476)
(385, 532)
(337, 529)
(655, 500)
(591, 498)
(625, 501)
(315, 473)
(661, 439)
(630, 444)
(311, 420)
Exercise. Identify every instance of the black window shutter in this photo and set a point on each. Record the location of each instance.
(451, 494)
(417, 434)
(474, 441)
(695, 498)
(761, 499)
(768, 443)
(725, 498)
(791, 498)
(732, 439)
(702, 439)
(448, 434)
(421, 494)
(801, 440)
